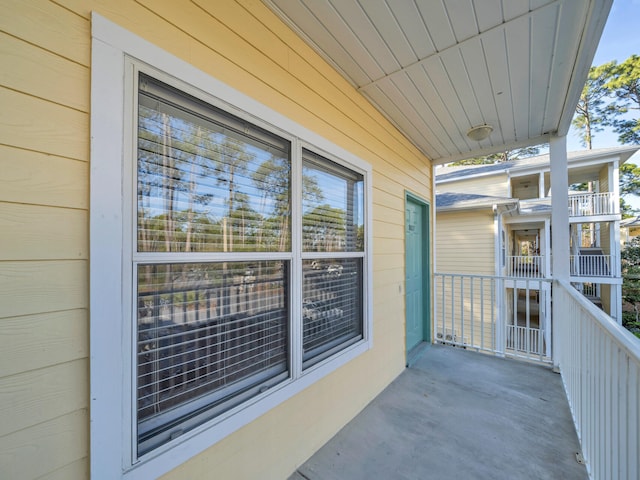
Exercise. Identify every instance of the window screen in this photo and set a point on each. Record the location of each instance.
(333, 213)
(209, 333)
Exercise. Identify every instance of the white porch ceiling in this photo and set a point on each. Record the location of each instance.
(436, 68)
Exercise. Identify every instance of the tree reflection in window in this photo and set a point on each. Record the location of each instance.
(214, 184)
(333, 207)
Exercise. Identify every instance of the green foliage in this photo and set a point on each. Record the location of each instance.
(506, 156)
(629, 185)
(609, 98)
(624, 85)
(631, 323)
(626, 210)
(592, 112)
(630, 259)
(629, 179)
(324, 229)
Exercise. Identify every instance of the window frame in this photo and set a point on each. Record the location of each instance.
(116, 54)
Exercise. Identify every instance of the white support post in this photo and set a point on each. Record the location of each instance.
(559, 207)
(541, 190)
(616, 303)
(547, 251)
(559, 226)
(614, 183)
(615, 245)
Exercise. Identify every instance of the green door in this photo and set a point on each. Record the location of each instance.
(417, 272)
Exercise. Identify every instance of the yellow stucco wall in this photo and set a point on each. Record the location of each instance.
(44, 158)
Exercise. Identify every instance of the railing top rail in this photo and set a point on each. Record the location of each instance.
(491, 277)
(622, 336)
(571, 195)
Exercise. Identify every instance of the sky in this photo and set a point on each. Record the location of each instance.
(620, 40)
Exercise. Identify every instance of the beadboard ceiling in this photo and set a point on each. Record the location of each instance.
(436, 68)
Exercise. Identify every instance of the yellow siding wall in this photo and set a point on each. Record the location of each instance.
(525, 191)
(465, 242)
(604, 179)
(605, 237)
(493, 185)
(605, 297)
(44, 159)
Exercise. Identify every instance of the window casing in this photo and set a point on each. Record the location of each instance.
(212, 261)
(210, 305)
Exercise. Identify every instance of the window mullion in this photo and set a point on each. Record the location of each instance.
(330, 255)
(191, 257)
(296, 264)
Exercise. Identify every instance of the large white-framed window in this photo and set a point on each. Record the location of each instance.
(230, 258)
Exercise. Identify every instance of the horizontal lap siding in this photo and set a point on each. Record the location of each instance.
(605, 237)
(44, 157)
(465, 245)
(44, 153)
(605, 296)
(603, 182)
(465, 242)
(492, 185)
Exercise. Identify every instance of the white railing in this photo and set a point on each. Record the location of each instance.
(525, 266)
(588, 289)
(499, 315)
(523, 338)
(600, 366)
(588, 204)
(592, 266)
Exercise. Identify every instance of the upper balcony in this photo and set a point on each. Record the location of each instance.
(583, 265)
(593, 204)
(580, 205)
(526, 266)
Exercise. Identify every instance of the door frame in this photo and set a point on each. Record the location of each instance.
(426, 265)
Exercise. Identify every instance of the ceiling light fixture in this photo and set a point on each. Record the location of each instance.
(479, 133)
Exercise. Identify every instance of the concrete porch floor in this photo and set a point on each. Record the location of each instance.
(457, 414)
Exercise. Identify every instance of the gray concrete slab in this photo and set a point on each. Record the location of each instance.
(457, 414)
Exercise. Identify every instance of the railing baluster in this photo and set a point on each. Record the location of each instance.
(461, 315)
(473, 302)
(462, 308)
(592, 204)
(482, 313)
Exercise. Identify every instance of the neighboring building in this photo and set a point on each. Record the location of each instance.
(504, 210)
(215, 215)
(629, 229)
